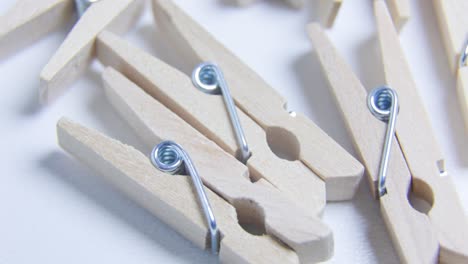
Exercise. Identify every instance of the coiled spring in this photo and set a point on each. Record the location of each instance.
(170, 157)
(208, 78)
(383, 104)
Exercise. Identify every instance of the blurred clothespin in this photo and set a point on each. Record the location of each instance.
(414, 165)
(28, 20)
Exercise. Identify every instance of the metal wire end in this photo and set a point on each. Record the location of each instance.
(383, 104)
(464, 56)
(208, 78)
(83, 5)
(170, 157)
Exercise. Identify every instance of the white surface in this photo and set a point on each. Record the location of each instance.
(54, 210)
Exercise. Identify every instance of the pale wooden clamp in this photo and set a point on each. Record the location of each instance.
(416, 164)
(453, 22)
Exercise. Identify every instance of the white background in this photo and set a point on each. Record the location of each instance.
(54, 210)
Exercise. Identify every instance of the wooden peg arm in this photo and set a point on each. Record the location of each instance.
(29, 20)
(305, 233)
(453, 23)
(76, 52)
(417, 141)
(340, 171)
(170, 198)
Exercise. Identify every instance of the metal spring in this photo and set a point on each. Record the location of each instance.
(209, 78)
(171, 158)
(383, 104)
(83, 5)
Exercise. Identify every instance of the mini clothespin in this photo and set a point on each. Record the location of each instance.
(414, 163)
(292, 3)
(453, 21)
(29, 20)
(234, 200)
(291, 135)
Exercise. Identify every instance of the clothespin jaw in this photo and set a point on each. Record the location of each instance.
(76, 52)
(30, 20)
(309, 145)
(292, 3)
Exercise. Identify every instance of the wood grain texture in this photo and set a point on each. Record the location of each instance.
(170, 198)
(400, 11)
(411, 232)
(340, 171)
(208, 114)
(417, 141)
(327, 11)
(76, 52)
(292, 3)
(453, 22)
(266, 206)
(462, 91)
(29, 20)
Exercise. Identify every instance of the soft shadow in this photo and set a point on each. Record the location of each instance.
(110, 199)
(315, 89)
(442, 70)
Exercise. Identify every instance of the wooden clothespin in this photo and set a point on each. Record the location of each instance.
(29, 20)
(292, 3)
(301, 140)
(415, 162)
(453, 22)
(234, 198)
(400, 11)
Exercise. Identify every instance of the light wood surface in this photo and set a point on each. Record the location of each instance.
(208, 114)
(292, 3)
(417, 141)
(170, 198)
(411, 232)
(267, 207)
(453, 22)
(462, 91)
(74, 55)
(327, 11)
(400, 11)
(340, 171)
(29, 20)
